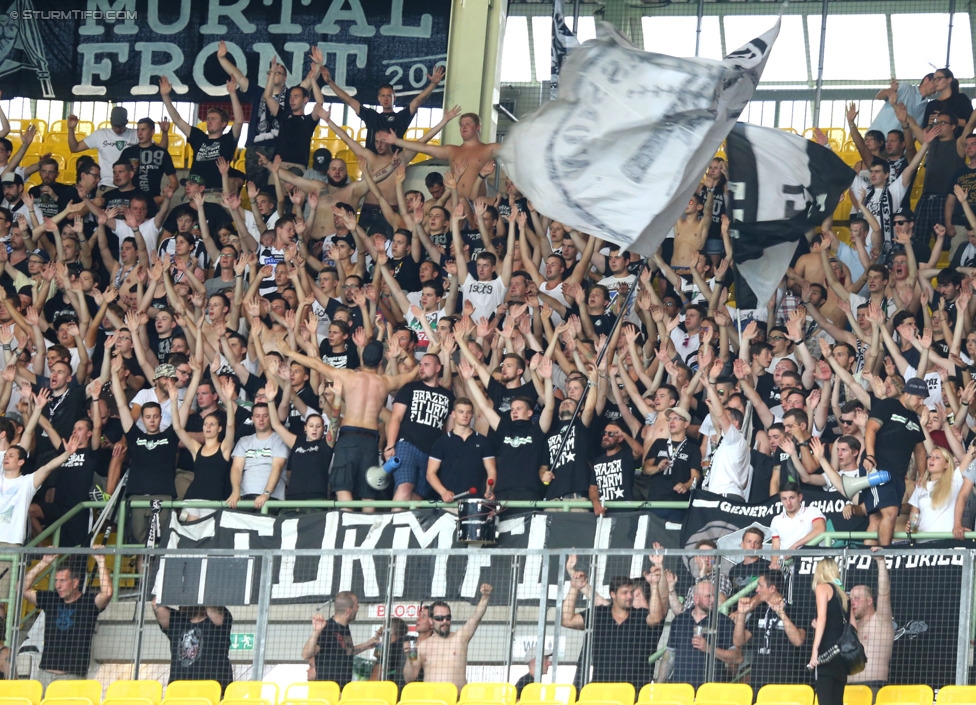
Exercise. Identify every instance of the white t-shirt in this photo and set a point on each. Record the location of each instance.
(789, 530)
(149, 231)
(731, 469)
(109, 146)
(15, 499)
(486, 297)
(930, 518)
(147, 395)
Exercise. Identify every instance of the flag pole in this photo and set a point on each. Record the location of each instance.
(564, 437)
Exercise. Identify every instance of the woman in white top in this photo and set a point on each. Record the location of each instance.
(934, 500)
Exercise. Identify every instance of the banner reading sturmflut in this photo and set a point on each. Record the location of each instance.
(620, 151)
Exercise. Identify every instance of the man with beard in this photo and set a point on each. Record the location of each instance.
(571, 470)
(691, 646)
(673, 465)
(523, 462)
(612, 476)
(444, 656)
(49, 192)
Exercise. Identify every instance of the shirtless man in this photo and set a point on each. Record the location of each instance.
(334, 191)
(364, 392)
(875, 628)
(690, 233)
(467, 159)
(444, 656)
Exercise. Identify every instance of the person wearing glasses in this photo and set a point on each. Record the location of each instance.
(946, 99)
(612, 476)
(444, 656)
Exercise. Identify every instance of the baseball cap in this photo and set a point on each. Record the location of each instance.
(917, 387)
(236, 174)
(15, 416)
(119, 117)
(321, 159)
(12, 178)
(195, 178)
(678, 411)
(164, 370)
(42, 254)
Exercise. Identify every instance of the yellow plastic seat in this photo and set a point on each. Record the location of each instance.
(441, 692)
(362, 701)
(501, 693)
(920, 694)
(86, 689)
(608, 692)
(683, 693)
(306, 701)
(738, 693)
(252, 690)
(189, 701)
(207, 690)
(384, 691)
(150, 690)
(67, 700)
(951, 694)
(246, 701)
(314, 690)
(563, 693)
(32, 691)
(132, 700)
(858, 695)
(800, 694)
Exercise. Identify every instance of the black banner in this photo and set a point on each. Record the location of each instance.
(925, 590)
(370, 540)
(117, 49)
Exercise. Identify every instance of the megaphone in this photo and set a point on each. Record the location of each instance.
(853, 485)
(379, 477)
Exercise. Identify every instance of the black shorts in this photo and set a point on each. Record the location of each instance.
(890, 494)
(356, 451)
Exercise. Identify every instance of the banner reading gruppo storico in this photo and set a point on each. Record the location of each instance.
(117, 49)
(371, 539)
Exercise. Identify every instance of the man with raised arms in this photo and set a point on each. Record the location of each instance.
(364, 392)
(444, 656)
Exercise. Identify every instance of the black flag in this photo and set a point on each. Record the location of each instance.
(782, 185)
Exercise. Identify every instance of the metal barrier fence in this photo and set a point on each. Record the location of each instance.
(266, 611)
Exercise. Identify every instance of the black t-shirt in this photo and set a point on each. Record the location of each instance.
(295, 422)
(397, 121)
(199, 650)
(68, 631)
(207, 150)
(62, 411)
(683, 457)
(151, 164)
(406, 272)
(620, 651)
(73, 480)
(775, 658)
(613, 475)
(333, 662)
(895, 441)
(522, 450)
(572, 470)
(152, 462)
(57, 310)
(744, 573)
(427, 411)
(47, 204)
(462, 462)
(691, 664)
(117, 198)
(295, 137)
(501, 396)
(347, 359)
(308, 465)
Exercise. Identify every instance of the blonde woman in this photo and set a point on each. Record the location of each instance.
(934, 500)
(833, 609)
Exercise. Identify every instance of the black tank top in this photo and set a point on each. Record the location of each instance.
(211, 477)
(835, 623)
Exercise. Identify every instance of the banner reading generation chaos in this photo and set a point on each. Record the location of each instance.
(117, 49)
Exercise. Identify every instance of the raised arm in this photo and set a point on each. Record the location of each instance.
(165, 91)
(338, 91)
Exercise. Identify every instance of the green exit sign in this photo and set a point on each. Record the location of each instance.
(241, 642)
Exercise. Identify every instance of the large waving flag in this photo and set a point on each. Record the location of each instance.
(782, 185)
(621, 150)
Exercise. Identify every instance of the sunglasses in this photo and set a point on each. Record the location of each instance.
(777, 337)
(846, 422)
(901, 222)
(442, 618)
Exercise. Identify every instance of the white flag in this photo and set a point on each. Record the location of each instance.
(620, 152)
